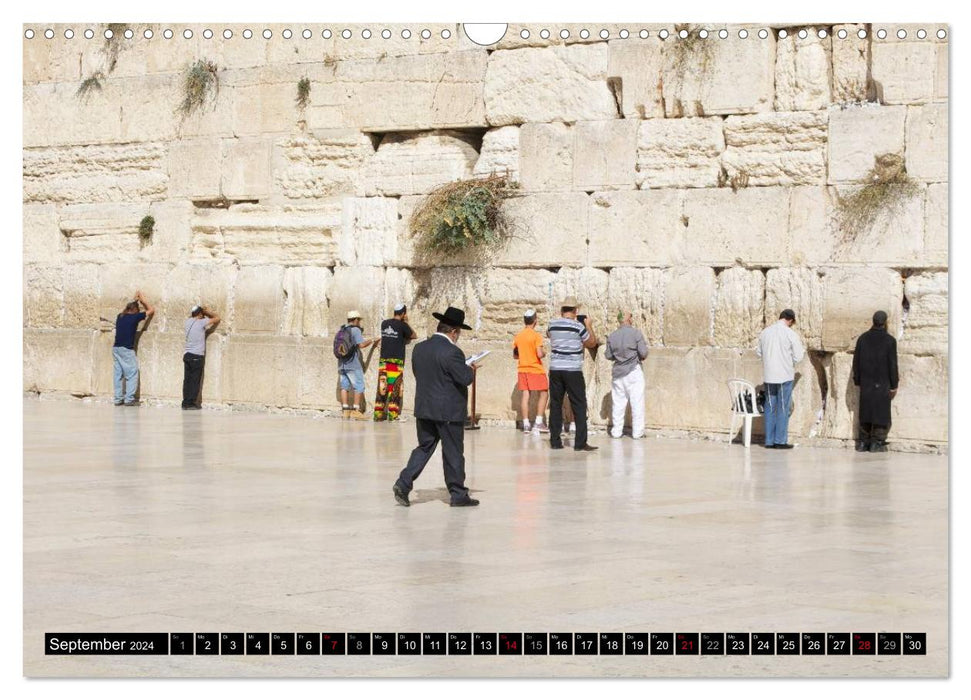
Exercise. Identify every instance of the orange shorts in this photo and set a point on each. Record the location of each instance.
(533, 382)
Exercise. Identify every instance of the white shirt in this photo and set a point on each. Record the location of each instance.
(446, 338)
(780, 349)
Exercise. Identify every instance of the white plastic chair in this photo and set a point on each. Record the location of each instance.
(743, 396)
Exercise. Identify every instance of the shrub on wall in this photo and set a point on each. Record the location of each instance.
(888, 187)
(303, 93)
(200, 85)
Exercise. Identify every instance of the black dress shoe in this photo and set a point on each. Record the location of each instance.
(585, 448)
(769, 447)
(466, 502)
(556, 447)
(878, 447)
(862, 446)
(400, 496)
(193, 407)
(782, 447)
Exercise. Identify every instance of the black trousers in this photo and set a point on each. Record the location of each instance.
(192, 379)
(452, 437)
(572, 384)
(871, 432)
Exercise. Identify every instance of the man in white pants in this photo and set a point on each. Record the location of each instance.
(627, 348)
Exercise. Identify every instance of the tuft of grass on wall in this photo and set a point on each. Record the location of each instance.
(200, 86)
(146, 228)
(887, 189)
(303, 93)
(89, 86)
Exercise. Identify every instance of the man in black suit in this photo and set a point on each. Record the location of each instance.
(875, 372)
(442, 379)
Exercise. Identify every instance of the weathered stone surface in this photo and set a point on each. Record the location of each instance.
(82, 296)
(920, 410)
(894, 236)
(101, 232)
(546, 156)
(925, 323)
(904, 71)
(418, 163)
(503, 296)
(927, 143)
(803, 71)
(259, 370)
(637, 68)
(245, 168)
(857, 135)
(589, 285)
(433, 91)
(58, 360)
(209, 284)
(43, 296)
(258, 299)
(642, 227)
(850, 296)
(317, 383)
(639, 290)
(842, 400)
(305, 294)
(748, 226)
(718, 76)
(172, 233)
(813, 225)
(368, 230)
(935, 225)
(360, 288)
(679, 152)
(499, 154)
(738, 307)
(799, 289)
(120, 281)
(96, 173)
(194, 168)
(778, 148)
(688, 312)
(604, 154)
(562, 83)
(250, 233)
(51, 60)
(43, 241)
(851, 60)
(548, 229)
(702, 373)
(942, 75)
(322, 164)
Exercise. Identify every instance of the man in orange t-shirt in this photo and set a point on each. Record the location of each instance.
(528, 349)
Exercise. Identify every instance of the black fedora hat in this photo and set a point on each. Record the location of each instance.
(453, 317)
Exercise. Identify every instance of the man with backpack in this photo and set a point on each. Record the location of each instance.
(347, 344)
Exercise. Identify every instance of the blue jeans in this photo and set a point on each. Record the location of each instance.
(126, 365)
(777, 399)
(352, 377)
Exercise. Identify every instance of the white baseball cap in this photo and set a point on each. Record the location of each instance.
(351, 315)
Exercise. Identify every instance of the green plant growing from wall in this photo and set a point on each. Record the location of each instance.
(465, 215)
(887, 189)
(303, 93)
(200, 86)
(89, 86)
(146, 228)
(692, 55)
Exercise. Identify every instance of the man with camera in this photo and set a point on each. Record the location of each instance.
(569, 335)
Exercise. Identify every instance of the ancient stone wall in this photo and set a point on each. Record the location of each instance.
(695, 182)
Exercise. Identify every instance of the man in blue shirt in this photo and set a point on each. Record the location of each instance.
(126, 362)
(351, 371)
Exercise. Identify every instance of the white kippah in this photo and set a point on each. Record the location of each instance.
(530, 312)
(399, 308)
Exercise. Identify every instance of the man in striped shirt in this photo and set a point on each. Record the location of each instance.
(569, 335)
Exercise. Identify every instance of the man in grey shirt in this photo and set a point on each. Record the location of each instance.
(196, 326)
(627, 348)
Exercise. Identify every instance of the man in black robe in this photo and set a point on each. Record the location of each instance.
(875, 372)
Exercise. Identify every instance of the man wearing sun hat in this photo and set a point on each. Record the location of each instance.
(442, 380)
(350, 371)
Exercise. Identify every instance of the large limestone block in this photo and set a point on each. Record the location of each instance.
(440, 287)
(96, 173)
(318, 385)
(786, 148)
(799, 289)
(679, 152)
(321, 164)
(250, 233)
(920, 410)
(858, 134)
(207, 284)
(739, 312)
(101, 232)
(840, 418)
(172, 234)
(749, 226)
(942, 74)
(398, 93)
(803, 71)
(194, 168)
(305, 293)
(851, 65)
(813, 225)
(358, 288)
(547, 229)
(103, 364)
(688, 312)
(637, 69)
(58, 360)
(546, 156)
(639, 290)
(894, 236)
(688, 387)
(258, 299)
(499, 154)
(561, 83)
(604, 154)
(904, 71)
(161, 368)
(82, 295)
(246, 168)
(718, 76)
(643, 227)
(504, 295)
(120, 281)
(935, 225)
(51, 60)
(418, 163)
(43, 296)
(851, 295)
(925, 322)
(927, 143)
(368, 230)
(43, 241)
(259, 370)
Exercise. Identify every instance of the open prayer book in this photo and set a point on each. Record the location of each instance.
(476, 358)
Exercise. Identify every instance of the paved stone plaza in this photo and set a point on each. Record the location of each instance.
(154, 519)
